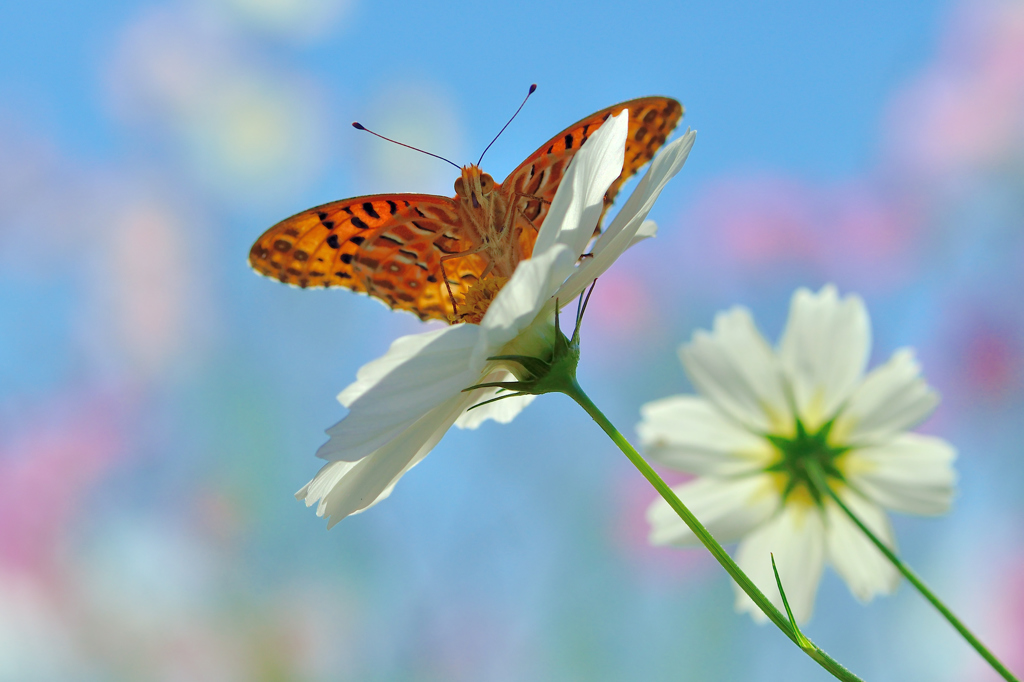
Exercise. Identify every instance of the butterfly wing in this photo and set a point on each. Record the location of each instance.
(651, 119)
(388, 246)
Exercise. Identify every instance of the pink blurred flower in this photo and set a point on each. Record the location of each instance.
(623, 310)
(137, 265)
(152, 287)
(853, 232)
(47, 468)
(967, 109)
(1008, 617)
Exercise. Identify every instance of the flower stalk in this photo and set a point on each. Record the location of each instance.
(787, 626)
(818, 478)
(558, 375)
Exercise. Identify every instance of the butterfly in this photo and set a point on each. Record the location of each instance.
(423, 253)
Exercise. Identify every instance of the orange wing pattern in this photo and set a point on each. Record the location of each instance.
(651, 120)
(388, 246)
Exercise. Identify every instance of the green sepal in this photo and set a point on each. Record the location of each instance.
(543, 376)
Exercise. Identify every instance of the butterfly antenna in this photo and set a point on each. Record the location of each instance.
(359, 126)
(533, 88)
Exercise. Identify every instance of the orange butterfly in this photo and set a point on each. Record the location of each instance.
(423, 253)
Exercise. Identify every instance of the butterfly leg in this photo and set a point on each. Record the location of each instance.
(523, 195)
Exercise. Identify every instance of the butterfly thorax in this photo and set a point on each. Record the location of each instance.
(485, 208)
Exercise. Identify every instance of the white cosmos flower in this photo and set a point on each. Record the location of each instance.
(402, 403)
(765, 414)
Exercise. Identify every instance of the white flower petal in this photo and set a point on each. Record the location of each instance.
(796, 537)
(402, 350)
(578, 203)
(911, 473)
(690, 434)
(855, 558)
(417, 374)
(891, 399)
(648, 229)
(663, 168)
(344, 488)
(823, 351)
(525, 298)
(322, 484)
(623, 231)
(735, 368)
(728, 507)
(502, 411)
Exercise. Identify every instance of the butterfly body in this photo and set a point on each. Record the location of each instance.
(423, 253)
(489, 221)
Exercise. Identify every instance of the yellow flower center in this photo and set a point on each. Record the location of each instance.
(798, 455)
(478, 300)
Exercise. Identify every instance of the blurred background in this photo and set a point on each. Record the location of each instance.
(160, 403)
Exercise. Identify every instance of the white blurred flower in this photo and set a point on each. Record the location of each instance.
(302, 21)
(403, 403)
(244, 130)
(766, 416)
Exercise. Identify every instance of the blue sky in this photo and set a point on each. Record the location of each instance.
(791, 85)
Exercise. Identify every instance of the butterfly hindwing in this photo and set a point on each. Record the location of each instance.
(388, 246)
(651, 119)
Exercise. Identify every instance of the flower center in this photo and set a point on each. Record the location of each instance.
(478, 300)
(803, 455)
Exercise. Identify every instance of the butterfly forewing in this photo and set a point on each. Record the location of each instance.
(389, 246)
(651, 119)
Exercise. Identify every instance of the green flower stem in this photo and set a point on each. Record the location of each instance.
(572, 389)
(819, 480)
